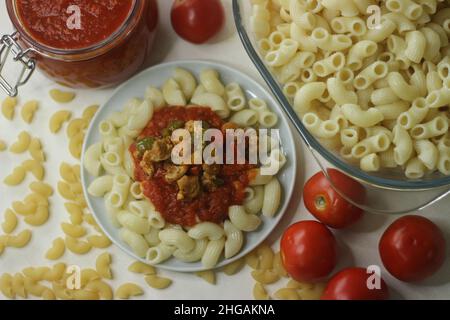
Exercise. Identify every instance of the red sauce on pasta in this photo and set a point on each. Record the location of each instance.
(208, 205)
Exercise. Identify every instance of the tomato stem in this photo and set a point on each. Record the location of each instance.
(320, 202)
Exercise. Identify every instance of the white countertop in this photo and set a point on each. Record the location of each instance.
(358, 245)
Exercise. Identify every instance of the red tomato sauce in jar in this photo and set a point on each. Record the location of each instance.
(115, 40)
(46, 21)
(209, 206)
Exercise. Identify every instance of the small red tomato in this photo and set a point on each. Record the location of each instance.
(327, 205)
(355, 284)
(197, 21)
(412, 248)
(308, 251)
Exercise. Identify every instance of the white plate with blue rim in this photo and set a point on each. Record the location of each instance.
(156, 76)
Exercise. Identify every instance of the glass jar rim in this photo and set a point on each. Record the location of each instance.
(92, 50)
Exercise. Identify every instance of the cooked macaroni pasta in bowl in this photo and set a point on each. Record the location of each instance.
(365, 82)
(156, 199)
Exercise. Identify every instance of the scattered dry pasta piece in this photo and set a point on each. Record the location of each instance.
(57, 272)
(99, 241)
(278, 265)
(74, 231)
(75, 211)
(139, 267)
(48, 295)
(88, 275)
(39, 217)
(3, 239)
(81, 201)
(66, 171)
(89, 218)
(77, 171)
(265, 276)
(41, 188)
(65, 191)
(34, 288)
(259, 292)
(209, 276)
(101, 288)
(76, 188)
(16, 177)
(297, 285)
(28, 111)
(312, 292)
(57, 250)
(6, 285)
(36, 273)
(90, 112)
(102, 265)
(20, 240)
(85, 295)
(18, 285)
(24, 208)
(128, 290)
(35, 167)
(61, 291)
(157, 282)
(265, 255)
(38, 199)
(76, 126)
(76, 145)
(287, 294)
(35, 150)
(252, 260)
(3, 146)
(77, 246)
(9, 221)
(8, 106)
(234, 267)
(57, 120)
(22, 144)
(62, 96)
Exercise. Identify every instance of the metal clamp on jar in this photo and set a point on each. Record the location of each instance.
(9, 46)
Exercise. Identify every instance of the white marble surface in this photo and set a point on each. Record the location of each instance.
(358, 245)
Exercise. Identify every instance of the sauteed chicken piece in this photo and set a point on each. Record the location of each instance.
(161, 150)
(189, 187)
(210, 181)
(174, 172)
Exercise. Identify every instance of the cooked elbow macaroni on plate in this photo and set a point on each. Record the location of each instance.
(192, 212)
(379, 94)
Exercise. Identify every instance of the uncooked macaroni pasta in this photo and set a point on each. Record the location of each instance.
(349, 80)
(60, 96)
(28, 110)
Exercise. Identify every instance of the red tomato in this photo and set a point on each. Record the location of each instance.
(197, 21)
(327, 205)
(412, 248)
(352, 284)
(308, 251)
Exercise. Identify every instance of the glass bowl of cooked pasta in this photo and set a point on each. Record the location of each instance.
(367, 86)
(189, 166)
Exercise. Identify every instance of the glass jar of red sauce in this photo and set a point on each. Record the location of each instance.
(79, 43)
